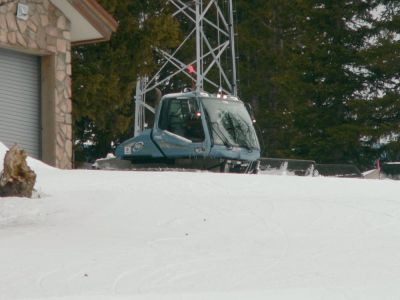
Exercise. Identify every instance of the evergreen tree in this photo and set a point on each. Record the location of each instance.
(378, 105)
(264, 38)
(105, 74)
(323, 77)
(336, 69)
(323, 64)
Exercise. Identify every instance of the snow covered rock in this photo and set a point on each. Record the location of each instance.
(16, 179)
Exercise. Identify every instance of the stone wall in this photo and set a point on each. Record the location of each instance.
(46, 33)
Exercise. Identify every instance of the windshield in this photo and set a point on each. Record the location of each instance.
(230, 123)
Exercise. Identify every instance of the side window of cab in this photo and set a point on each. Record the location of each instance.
(181, 116)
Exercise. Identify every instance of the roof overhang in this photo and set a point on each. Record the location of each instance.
(90, 22)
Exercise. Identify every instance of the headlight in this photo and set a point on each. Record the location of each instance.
(138, 146)
(135, 147)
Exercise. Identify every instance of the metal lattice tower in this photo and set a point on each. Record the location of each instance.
(214, 53)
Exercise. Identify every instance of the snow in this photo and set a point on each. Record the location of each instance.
(106, 235)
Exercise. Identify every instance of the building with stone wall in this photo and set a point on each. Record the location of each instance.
(36, 37)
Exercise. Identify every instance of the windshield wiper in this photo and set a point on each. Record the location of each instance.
(218, 131)
(241, 131)
(242, 136)
(221, 135)
(247, 141)
(247, 146)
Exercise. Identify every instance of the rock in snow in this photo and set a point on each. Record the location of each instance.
(16, 179)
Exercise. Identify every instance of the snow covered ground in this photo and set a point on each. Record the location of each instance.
(103, 235)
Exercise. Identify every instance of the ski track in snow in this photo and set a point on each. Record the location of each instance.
(141, 235)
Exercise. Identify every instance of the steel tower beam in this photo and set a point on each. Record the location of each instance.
(210, 19)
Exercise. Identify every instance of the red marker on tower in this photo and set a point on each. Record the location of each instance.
(191, 69)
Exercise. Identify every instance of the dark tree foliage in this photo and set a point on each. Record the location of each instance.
(326, 62)
(324, 77)
(265, 35)
(104, 75)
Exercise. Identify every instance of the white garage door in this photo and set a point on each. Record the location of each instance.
(20, 101)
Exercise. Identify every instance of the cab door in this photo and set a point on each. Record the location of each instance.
(179, 132)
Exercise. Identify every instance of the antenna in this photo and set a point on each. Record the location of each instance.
(212, 29)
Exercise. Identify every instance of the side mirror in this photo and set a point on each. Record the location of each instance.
(250, 111)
